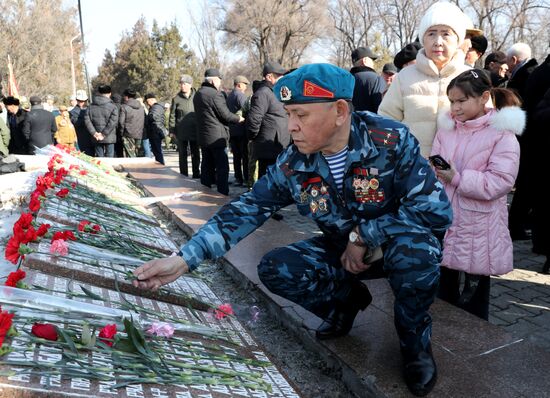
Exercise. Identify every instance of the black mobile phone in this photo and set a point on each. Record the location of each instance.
(439, 163)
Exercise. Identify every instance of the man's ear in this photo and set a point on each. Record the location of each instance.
(342, 111)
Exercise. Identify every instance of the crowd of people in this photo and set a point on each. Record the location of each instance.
(414, 163)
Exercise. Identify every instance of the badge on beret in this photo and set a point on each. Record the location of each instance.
(313, 90)
(286, 94)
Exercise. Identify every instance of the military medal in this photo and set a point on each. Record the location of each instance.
(324, 190)
(374, 184)
(314, 192)
(313, 206)
(356, 182)
(323, 205)
(303, 197)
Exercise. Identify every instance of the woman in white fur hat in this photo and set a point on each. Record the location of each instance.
(418, 92)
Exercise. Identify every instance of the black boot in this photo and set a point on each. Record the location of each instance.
(340, 320)
(420, 372)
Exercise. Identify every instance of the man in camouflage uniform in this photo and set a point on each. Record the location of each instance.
(390, 197)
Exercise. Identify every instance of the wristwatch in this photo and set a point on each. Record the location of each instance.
(355, 239)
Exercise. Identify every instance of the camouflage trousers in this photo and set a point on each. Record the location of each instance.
(132, 147)
(310, 274)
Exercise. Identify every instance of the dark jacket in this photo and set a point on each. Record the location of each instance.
(39, 128)
(102, 117)
(368, 90)
(267, 123)
(131, 120)
(85, 140)
(154, 121)
(213, 116)
(183, 120)
(235, 101)
(18, 142)
(518, 81)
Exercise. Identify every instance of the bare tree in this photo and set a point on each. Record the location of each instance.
(206, 31)
(37, 34)
(278, 30)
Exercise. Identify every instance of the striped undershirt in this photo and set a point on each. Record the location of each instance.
(336, 165)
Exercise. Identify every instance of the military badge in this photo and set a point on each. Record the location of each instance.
(313, 206)
(357, 183)
(323, 190)
(323, 205)
(285, 93)
(303, 197)
(374, 184)
(314, 192)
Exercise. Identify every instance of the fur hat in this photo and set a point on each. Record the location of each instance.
(448, 14)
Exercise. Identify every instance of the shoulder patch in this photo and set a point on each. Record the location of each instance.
(287, 171)
(385, 138)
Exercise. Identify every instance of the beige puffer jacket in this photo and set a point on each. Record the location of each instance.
(418, 93)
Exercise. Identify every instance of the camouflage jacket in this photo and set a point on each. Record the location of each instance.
(388, 189)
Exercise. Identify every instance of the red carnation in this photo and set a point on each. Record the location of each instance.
(6, 320)
(34, 204)
(83, 172)
(43, 229)
(63, 235)
(15, 277)
(30, 235)
(73, 185)
(12, 250)
(69, 235)
(25, 220)
(87, 226)
(62, 193)
(108, 332)
(45, 330)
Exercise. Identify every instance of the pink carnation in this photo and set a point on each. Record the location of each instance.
(223, 310)
(161, 329)
(59, 247)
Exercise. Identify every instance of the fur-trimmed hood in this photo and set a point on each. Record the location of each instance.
(510, 118)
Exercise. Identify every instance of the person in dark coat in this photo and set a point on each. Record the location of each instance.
(213, 117)
(78, 113)
(101, 121)
(407, 55)
(39, 126)
(15, 122)
(154, 126)
(183, 124)
(495, 64)
(520, 67)
(237, 131)
(266, 121)
(131, 123)
(537, 142)
(119, 147)
(369, 85)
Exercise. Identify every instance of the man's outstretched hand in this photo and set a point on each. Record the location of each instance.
(155, 273)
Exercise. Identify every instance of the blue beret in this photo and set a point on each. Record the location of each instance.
(315, 83)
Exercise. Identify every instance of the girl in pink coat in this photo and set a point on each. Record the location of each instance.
(479, 146)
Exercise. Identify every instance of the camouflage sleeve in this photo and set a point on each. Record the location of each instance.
(423, 207)
(237, 219)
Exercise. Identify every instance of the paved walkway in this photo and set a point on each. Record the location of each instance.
(520, 300)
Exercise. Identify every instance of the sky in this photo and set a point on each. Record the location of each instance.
(104, 21)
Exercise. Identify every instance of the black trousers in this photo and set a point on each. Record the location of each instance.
(522, 201)
(239, 147)
(472, 297)
(195, 157)
(215, 169)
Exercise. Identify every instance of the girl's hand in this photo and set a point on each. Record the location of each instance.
(446, 175)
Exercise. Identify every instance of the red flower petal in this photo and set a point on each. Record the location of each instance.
(45, 330)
